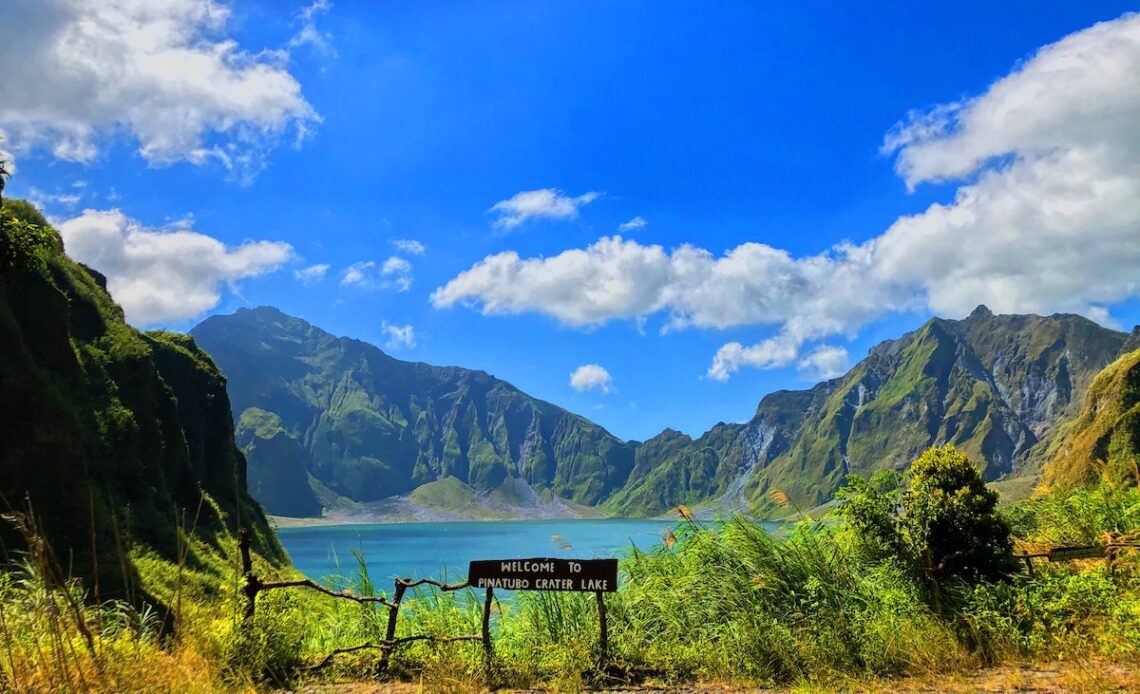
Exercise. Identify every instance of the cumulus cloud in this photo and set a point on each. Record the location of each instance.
(163, 276)
(632, 225)
(398, 336)
(825, 362)
(1045, 219)
(393, 273)
(409, 246)
(311, 274)
(163, 72)
(616, 278)
(550, 203)
(591, 377)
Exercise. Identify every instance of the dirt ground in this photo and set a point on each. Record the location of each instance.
(1085, 677)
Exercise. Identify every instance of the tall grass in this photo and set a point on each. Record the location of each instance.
(733, 602)
(725, 601)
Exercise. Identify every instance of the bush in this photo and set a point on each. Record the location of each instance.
(938, 522)
(24, 240)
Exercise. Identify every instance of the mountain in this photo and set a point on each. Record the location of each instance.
(334, 422)
(995, 386)
(330, 422)
(1104, 439)
(112, 437)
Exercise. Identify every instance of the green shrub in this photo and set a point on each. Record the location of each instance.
(939, 522)
(23, 243)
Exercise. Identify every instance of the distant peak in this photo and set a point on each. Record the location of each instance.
(263, 310)
(982, 311)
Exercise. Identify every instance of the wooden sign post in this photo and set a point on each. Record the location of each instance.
(598, 576)
(581, 575)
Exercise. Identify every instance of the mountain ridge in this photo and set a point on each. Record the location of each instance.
(995, 385)
(374, 427)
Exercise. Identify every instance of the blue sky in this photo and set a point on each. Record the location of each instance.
(753, 141)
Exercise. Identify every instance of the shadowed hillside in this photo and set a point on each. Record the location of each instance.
(111, 436)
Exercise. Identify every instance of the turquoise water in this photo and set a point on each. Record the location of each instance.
(437, 550)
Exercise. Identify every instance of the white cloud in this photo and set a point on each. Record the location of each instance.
(409, 246)
(632, 225)
(163, 276)
(773, 352)
(398, 273)
(1046, 219)
(163, 72)
(591, 377)
(395, 265)
(308, 34)
(311, 274)
(545, 202)
(825, 362)
(44, 200)
(399, 336)
(357, 273)
(393, 273)
(616, 278)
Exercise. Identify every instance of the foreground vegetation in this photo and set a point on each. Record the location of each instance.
(912, 577)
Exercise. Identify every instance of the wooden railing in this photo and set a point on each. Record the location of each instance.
(252, 586)
(1107, 551)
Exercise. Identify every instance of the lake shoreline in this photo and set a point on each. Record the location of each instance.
(440, 550)
(288, 522)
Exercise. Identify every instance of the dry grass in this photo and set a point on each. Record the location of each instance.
(1063, 677)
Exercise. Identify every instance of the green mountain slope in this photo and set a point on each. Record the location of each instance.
(325, 419)
(107, 433)
(1104, 440)
(995, 386)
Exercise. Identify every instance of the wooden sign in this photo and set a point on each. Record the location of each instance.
(585, 575)
(1071, 553)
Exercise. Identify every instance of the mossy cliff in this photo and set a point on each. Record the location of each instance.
(112, 437)
(1103, 442)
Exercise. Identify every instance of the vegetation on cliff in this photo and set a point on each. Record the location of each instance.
(115, 443)
(1103, 442)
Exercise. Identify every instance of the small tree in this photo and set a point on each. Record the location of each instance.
(939, 521)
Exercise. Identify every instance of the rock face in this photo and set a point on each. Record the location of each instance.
(108, 433)
(995, 386)
(326, 419)
(1103, 442)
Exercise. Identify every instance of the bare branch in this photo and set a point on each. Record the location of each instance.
(307, 583)
(389, 645)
